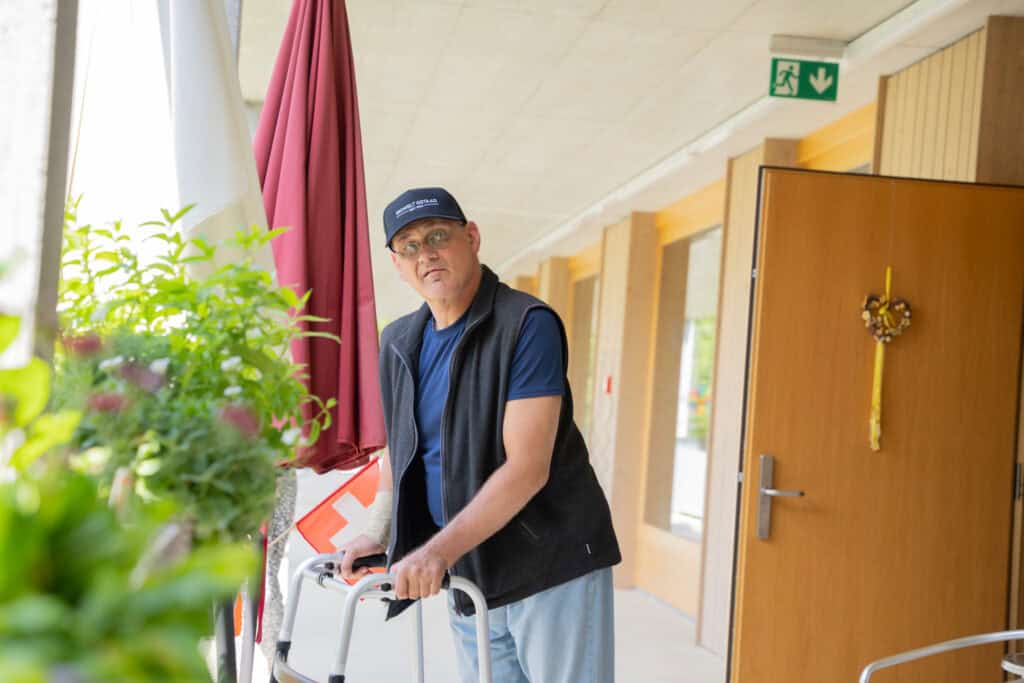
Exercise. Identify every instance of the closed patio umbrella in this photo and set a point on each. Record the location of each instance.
(310, 163)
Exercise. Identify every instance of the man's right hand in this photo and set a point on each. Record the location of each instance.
(360, 546)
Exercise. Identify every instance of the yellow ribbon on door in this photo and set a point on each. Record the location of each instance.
(886, 318)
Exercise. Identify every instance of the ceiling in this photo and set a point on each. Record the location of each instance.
(536, 113)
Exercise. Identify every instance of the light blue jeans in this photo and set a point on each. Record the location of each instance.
(565, 634)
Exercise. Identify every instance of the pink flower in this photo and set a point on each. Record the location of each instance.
(141, 376)
(108, 402)
(83, 345)
(241, 418)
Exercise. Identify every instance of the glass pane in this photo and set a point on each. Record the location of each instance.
(693, 416)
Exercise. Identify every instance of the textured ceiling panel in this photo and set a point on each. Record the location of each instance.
(531, 111)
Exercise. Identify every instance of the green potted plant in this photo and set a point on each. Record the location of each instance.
(184, 382)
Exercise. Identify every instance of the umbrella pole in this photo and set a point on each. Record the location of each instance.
(224, 637)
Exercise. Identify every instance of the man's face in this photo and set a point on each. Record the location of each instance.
(437, 257)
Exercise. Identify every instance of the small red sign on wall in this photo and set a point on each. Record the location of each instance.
(608, 385)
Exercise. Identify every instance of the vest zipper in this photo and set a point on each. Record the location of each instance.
(444, 428)
(415, 447)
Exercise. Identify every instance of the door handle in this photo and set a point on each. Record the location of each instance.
(779, 493)
(765, 493)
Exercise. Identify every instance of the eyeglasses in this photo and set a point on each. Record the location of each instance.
(435, 239)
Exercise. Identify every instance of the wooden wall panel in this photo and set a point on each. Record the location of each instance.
(930, 111)
(581, 362)
(664, 555)
(1000, 155)
(586, 263)
(727, 398)
(978, 48)
(624, 324)
(692, 214)
(526, 283)
(553, 279)
(663, 402)
(842, 145)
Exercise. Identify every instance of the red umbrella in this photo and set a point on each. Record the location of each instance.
(310, 161)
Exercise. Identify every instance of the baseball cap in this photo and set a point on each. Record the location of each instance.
(417, 203)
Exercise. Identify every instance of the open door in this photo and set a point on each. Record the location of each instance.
(908, 545)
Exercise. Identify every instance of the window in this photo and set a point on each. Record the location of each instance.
(684, 368)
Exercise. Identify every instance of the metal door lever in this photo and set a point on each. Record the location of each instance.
(765, 494)
(782, 494)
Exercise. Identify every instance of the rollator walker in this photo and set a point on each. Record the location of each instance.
(1012, 664)
(323, 570)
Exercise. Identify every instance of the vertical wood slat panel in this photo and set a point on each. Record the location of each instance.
(930, 144)
(942, 115)
(887, 134)
(954, 131)
(932, 113)
(906, 128)
(978, 76)
(965, 171)
(921, 112)
(881, 111)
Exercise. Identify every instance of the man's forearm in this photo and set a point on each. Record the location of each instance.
(504, 494)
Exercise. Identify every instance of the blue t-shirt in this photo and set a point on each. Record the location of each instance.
(538, 369)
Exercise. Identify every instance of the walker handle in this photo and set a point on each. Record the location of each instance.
(379, 560)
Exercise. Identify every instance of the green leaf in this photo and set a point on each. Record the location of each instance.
(29, 386)
(271, 234)
(289, 296)
(110, 256)
(178, 216)
(49, 431)
(9, 326)
(324, 335)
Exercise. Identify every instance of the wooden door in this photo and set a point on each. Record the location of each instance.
(909, 545)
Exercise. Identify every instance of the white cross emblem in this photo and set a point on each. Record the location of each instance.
(349, 507)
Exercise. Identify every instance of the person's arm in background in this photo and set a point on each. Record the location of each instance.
(374, 540)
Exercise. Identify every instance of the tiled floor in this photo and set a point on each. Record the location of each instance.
(654, 643)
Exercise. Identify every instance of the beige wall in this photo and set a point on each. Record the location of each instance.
(581, 362)
(623, 338)
(727, 397)
(525, 283)
(553, 280)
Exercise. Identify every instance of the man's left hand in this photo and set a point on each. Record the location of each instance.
(419, 574)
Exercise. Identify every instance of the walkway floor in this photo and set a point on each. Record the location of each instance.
(654, 642)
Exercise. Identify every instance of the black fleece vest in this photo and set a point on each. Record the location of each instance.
(564, 531)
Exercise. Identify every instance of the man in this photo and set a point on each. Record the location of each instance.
(487, 477)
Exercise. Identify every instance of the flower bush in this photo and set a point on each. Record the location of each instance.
(80, 602)
(83, 597)
(186, 381)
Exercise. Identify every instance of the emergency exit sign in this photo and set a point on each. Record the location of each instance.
(804, 80)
